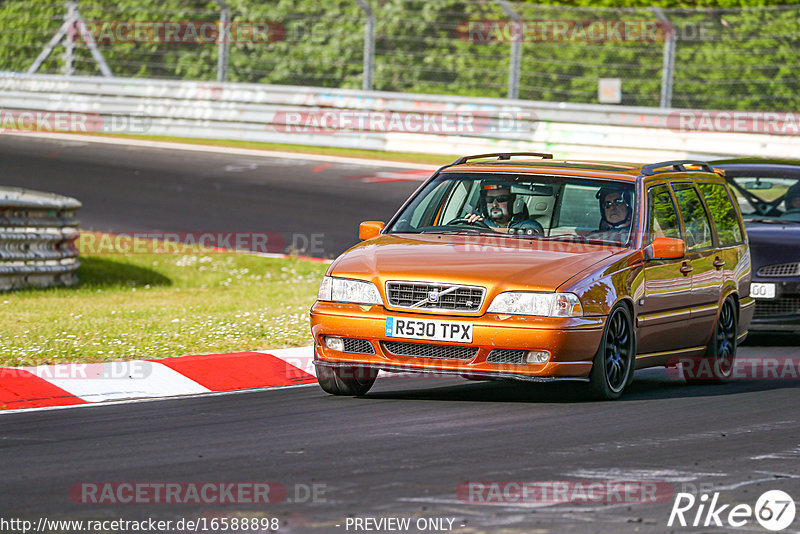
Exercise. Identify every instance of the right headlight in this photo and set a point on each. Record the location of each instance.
(348, 290)
(539, 304)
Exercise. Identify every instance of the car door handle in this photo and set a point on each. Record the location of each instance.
(686, 269)
(719, 263)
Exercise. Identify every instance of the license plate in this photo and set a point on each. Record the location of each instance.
(762, 291)
(428, 329)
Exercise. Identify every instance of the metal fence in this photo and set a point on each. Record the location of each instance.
(742, 59)
(37, 239)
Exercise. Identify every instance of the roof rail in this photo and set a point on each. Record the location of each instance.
(502, 155)
(678, 165)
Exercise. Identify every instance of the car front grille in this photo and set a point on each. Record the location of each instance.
(780, 269)
(780, 307)
(358, 346)
(506, 356)
(433, 296)
(425, 350)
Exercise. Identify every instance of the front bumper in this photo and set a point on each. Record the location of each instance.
(781, 314)
(571, 342)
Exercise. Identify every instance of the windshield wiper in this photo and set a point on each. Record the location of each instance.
(453, 232)
(582, 239)
(772, 220)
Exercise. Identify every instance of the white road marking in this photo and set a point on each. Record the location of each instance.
(636, 475)
(155, 399)
(224, 150)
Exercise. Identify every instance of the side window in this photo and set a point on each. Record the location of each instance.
(456, 204)
(663, 217)
(424, 211)
(695, 219)
(723, 213)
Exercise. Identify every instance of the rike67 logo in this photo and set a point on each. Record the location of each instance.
(774, 510)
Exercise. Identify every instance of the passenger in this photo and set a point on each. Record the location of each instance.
(615, 210)
(792, 199)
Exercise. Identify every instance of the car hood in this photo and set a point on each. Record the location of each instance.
(773, 243)
(490, 261)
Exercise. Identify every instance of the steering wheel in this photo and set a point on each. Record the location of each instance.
(463, 220)
(528, 227)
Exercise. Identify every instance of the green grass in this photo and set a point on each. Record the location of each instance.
(408, 157)
(161, 305)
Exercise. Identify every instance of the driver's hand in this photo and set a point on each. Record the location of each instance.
(473, 217)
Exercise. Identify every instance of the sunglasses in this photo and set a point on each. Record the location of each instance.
(498, 198)
(618, 202)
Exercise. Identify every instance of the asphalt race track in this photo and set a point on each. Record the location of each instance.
(132, 189)
(410, 447)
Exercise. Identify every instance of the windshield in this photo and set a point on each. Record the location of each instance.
(528, 206)
(768, 198)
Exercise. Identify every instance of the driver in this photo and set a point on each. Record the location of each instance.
(792, 199)
(496, 211)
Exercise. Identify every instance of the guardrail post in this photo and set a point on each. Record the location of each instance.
(668, 61)
(73, 25)
(71, 20)
(369, 44)
(515, 61)
(222, 45)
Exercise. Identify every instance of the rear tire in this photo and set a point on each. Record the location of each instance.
(716, 366)
(347, 380)
(613, 364)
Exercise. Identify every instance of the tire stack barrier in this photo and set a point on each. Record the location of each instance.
(38, 234)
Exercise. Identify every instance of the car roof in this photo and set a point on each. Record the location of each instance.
(544, 164)
(766, 168)
(610, 170)
(756, 161)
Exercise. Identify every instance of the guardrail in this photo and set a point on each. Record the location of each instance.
(363, 119)
(37, 239)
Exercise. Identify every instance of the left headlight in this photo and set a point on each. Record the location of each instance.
(347, 290)
(541, 304)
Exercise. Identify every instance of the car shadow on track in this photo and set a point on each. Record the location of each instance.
(649, 384)
(772, 339)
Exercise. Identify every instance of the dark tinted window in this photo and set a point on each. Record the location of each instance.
(695, 219)
(663, 217)
(722, 212)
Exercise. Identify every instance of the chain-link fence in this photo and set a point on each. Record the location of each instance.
(699, 58)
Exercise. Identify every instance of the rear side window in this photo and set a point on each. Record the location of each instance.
(695, 219)
(663, 217)
(722, 212)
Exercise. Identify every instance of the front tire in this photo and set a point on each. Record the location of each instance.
(346, 380)
(613, 364)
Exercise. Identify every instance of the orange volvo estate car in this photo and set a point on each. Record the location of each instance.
(541, 270)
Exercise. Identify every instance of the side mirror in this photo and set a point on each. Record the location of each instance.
(665, 248)
(370, 229)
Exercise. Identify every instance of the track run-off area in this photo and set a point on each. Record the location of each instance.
(447, 455)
